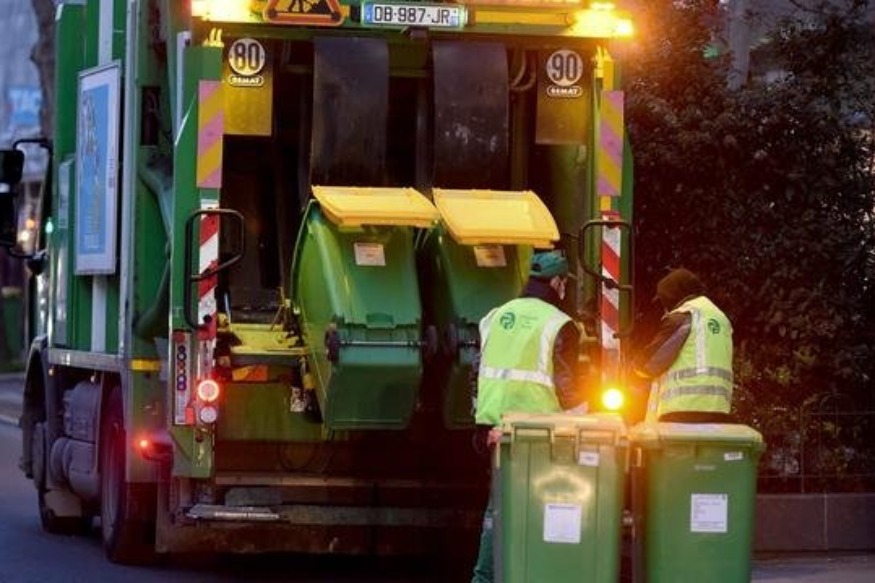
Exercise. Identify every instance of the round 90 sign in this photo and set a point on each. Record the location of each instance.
(564, 68)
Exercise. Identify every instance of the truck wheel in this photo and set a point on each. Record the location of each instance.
(50, 521)
(127, 510)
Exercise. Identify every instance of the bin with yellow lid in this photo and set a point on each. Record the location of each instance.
(354, 282)
(475, 259)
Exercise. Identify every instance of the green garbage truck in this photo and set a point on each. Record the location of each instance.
(267, 233)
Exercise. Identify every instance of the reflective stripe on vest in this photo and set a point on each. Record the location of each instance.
(707, 390)
(711, 371)
(701, 377)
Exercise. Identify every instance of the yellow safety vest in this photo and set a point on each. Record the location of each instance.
(516, 361)
(700, 379)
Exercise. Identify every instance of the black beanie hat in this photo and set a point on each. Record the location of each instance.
(678, 285)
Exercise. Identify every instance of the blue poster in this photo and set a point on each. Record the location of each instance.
(96, 171)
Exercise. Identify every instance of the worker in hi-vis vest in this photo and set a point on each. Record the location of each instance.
(689, 359)
(529, 349)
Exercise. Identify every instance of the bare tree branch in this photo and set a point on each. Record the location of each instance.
(43, 56)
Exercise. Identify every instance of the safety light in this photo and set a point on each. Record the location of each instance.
(154, 447)
(612, 399)
(221, 10)
(208, 390)
(525, 3)
(602, 20)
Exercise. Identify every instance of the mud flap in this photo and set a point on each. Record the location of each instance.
(471, 129)
(350, 109)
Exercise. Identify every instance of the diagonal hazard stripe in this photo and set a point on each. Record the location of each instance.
(612, 110)
(611, 264)
(209, 227)
(211, 128)
(611, 137)
(205, 286)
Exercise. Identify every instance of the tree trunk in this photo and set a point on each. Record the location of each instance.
(43, 56)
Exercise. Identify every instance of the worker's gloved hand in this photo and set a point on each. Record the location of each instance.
(494, 437)
(581, 409)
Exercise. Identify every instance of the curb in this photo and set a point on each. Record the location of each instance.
(8, 420)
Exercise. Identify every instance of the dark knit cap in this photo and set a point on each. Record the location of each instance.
(677, 286)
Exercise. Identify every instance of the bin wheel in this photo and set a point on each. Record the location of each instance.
(332, 344)
(451, 341)
(430, 343)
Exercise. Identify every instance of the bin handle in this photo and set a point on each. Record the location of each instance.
(609, 437)
(589, 435)
(596, 437)
(532, 429)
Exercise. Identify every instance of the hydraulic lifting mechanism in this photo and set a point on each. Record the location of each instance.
(270, 233)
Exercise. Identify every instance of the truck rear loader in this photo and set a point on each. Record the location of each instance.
(267, 233)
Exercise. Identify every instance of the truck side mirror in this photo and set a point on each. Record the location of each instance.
(7, 219)
(11, 167)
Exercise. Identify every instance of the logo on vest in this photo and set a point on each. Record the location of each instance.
(713, 326)
(507, 320)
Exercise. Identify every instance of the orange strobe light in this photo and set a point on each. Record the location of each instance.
(613, 399)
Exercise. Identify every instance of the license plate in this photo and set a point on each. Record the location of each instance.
(414, 14)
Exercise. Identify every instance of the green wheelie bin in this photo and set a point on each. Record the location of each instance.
(693, 501)
(558, 484)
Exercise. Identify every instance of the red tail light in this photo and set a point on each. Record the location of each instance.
(208, 390)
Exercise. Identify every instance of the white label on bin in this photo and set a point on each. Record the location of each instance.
(489, 256)
(709, 513)
(369, 254)
(562, 523)
(588, 458)
(733, 456)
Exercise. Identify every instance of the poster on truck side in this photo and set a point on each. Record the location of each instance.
(97, 132)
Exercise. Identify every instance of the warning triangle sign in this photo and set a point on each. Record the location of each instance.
(303, 12)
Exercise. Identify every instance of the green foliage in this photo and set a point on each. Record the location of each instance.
(768, 193)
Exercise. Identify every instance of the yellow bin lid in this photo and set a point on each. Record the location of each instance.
(505, 217)
(353, 206)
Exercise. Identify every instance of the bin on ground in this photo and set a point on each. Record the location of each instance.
(693, 499)
(558, 497)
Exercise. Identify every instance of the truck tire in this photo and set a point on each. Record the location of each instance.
(50, 521)
(127, 510)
